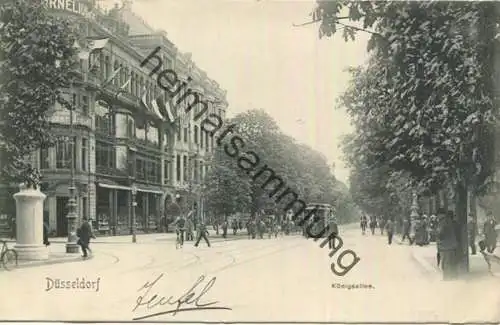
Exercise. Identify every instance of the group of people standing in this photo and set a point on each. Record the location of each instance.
(442, 228)
(419, 231)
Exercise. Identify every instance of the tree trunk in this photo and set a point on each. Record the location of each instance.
(445, 199)
(461, 196)
(437, 202)
(473, 208)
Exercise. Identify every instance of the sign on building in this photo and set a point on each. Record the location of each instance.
(69, 5)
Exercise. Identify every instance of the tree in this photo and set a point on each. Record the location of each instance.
(36, 55)
(228, 190)
(426, 103)
(302, 169)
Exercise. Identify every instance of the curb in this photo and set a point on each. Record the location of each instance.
(49, 262)
(427, 267)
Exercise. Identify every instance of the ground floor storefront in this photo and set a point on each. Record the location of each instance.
(108, 206)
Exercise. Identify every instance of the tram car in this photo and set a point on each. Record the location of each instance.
(323, 217)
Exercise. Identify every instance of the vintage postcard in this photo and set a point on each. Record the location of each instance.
(251, 161)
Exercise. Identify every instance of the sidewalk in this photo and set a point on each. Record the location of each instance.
(426, 257)
(57, 255)
(478, 287)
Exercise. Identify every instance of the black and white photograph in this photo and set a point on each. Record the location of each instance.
(250, 161)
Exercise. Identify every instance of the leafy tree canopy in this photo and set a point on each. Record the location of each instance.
(425, 103)
(36, 55)
(303, 169)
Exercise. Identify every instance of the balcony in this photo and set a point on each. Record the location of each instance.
(109, 171)
(61, 116)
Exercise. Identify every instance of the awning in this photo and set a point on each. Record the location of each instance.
(116, 187)
(149, 191)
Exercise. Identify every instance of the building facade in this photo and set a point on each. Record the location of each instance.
(117, 141)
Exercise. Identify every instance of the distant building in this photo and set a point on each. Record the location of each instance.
(119, 141)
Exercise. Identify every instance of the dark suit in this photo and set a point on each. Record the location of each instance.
(202, 233)
(84, 234)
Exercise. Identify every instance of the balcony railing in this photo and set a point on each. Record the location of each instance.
(104, 170)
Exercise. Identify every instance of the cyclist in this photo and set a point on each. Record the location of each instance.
(179, 223)
(174, 210)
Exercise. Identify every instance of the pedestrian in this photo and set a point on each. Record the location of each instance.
(472, 230)
(373, 224)
(202, 233)
(261, 228)
(447, 245)
(189, 227)
(46, 228)
(234, 225)
(406, 229)
(84, 233)
(363, 224)
(224, 229)
(216, 226)
(389, 226)
(490, 233)
(382, 223)
(333, 228)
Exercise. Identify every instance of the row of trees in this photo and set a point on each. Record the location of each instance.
(229, 189)
(424, 108)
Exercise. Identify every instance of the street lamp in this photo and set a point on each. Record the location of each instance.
(134, 204)
(414, 205)
(71, 245)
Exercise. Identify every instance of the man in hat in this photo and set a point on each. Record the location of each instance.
(490, 233)
(202, 233)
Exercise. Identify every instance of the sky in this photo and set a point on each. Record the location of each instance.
(252, 49)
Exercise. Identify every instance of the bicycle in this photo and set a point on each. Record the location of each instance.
(8, 256)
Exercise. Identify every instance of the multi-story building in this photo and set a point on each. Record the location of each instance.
(119, 141)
